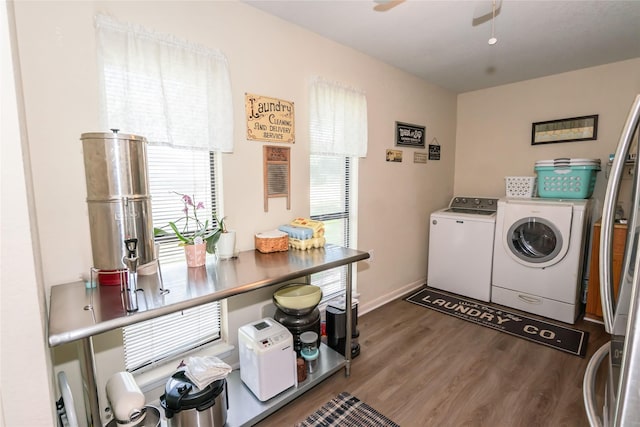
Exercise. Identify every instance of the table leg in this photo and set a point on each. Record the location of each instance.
(89, 385)
(348, 320)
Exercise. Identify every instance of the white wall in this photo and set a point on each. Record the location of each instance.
(268, 57)
(26, 397)
(494, 125)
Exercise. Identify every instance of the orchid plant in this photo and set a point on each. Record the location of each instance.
(190, 229)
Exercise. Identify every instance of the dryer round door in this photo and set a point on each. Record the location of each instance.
(535, 242)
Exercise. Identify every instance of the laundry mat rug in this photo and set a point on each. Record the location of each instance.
(346, 410)
(559, 337)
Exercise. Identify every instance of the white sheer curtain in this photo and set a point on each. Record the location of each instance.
(170, 91)
(337, 119)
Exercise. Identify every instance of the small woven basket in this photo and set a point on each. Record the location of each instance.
(272, 241)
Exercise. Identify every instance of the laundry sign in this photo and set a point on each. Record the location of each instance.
(269, 119)
(408, 135)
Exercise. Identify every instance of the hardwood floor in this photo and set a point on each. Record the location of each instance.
(424, 368)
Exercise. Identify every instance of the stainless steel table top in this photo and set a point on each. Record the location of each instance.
(77, 312)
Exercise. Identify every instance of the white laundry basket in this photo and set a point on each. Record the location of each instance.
(520, 186)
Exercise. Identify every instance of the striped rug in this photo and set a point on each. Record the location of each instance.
(346, 410)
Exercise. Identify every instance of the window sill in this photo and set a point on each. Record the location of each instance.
(153, 381)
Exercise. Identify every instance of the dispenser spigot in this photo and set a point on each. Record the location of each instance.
(132, 248)
(129, 288)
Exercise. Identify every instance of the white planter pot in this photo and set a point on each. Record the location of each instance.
(226, 246)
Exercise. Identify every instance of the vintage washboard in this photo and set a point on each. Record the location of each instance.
(277, 170)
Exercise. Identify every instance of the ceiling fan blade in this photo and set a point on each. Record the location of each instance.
(384, 5)
(484, 13)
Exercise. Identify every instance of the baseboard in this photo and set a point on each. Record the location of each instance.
(593, 319)
(383, 299)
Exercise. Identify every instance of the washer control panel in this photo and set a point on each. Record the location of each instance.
(483, 204)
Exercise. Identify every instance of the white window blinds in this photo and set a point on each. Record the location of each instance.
(331, 202)
(186, 172)
(146, 343)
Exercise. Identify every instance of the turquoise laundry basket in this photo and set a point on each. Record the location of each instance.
(567, 178)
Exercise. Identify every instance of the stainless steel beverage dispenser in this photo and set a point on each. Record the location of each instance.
(119, 202)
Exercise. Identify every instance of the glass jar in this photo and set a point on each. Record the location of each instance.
(309, 350)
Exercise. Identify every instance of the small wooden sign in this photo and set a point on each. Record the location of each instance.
(269, 119)
(419, 157)
(434, 152)
(394, 156)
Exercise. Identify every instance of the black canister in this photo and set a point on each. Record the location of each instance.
(185, 404)
(337, 329)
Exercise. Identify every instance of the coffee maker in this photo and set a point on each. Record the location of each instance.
(336, 325)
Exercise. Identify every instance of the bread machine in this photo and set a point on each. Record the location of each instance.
(267, 358)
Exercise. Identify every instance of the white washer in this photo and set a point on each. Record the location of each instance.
(538, 259)
(461, 247)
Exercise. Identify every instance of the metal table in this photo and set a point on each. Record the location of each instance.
(77, 313)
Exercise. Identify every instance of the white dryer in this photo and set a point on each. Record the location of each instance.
(539, 251)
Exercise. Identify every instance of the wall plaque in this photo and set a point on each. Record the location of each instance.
(269, 119)
(434, 149)
(394, 156)
(434, 152)
(419, 157)
(408, 135)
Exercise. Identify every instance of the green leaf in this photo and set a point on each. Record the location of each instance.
(178, 235)
(212, 240)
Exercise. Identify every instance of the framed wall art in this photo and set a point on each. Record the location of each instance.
(408, 135)
(584, 128)
(394, 156)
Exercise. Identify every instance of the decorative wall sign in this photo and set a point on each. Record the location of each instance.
(394, 156)
(408, 135)
(269, 119)
(276, 174)
(434, 150)
(584, 128)
(419, 157)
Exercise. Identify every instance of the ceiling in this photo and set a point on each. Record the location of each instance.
(443, 42)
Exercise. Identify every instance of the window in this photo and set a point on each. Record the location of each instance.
(174, 170)
(187, 172)
(338, 135)
(331, 201)
(178, 96)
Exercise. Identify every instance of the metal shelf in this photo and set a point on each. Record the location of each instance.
(77, 313)
(246, 410)
(628, 169)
